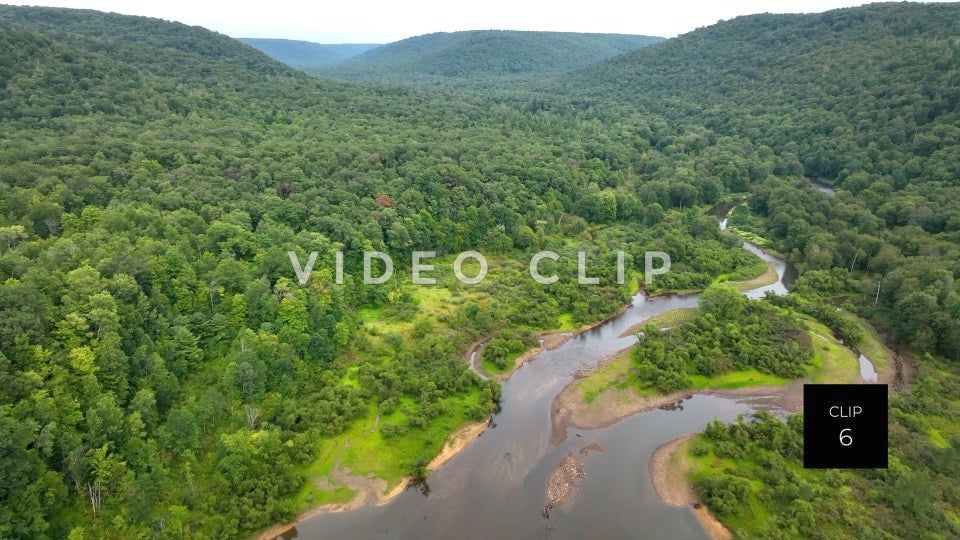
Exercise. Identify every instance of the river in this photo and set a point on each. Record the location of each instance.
(495, 488)
(822, 186)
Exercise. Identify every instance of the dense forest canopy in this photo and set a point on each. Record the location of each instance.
(305, 54)
(161, 371)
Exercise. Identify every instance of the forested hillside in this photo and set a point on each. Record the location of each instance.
(163, 374)
(161, 371)
(483, 54)
(150, 43)
(306, 54)
(867, 99)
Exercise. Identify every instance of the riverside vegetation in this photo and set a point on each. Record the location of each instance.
(163, 375)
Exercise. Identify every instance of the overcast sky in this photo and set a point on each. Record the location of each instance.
(382, 21)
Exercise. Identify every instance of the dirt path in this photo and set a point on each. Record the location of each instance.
(668, 473)
(472, 356)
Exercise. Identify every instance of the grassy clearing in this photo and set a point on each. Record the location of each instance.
(377, 321)
(737, 379)
(942, 429)
(872, 346)
(755, 239)
(674, 317)
(430, 304)
(937, 439)
(350, 377)
(318, 492)
(393, 458)
(832, 363)
(612, 374)
(320, 488)
(365, 451)
(767, 277)
(634, 279)
(565, 322)
(435, 300)
(491, 368)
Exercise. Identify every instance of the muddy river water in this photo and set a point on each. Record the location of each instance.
(495, 488)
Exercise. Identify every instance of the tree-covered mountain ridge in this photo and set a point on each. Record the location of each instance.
(486, 53)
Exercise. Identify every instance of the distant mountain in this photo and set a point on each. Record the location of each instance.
(306, 54)
(888, 68)
(486, 53)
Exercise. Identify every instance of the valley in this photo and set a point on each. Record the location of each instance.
(172, 366)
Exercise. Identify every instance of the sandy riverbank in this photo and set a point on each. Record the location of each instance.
(668, 474)
(361, 498)
(613, 404)
(768, 277)
(459, 440)
(607, 408)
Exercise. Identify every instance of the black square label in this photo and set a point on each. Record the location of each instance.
(845, 426)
